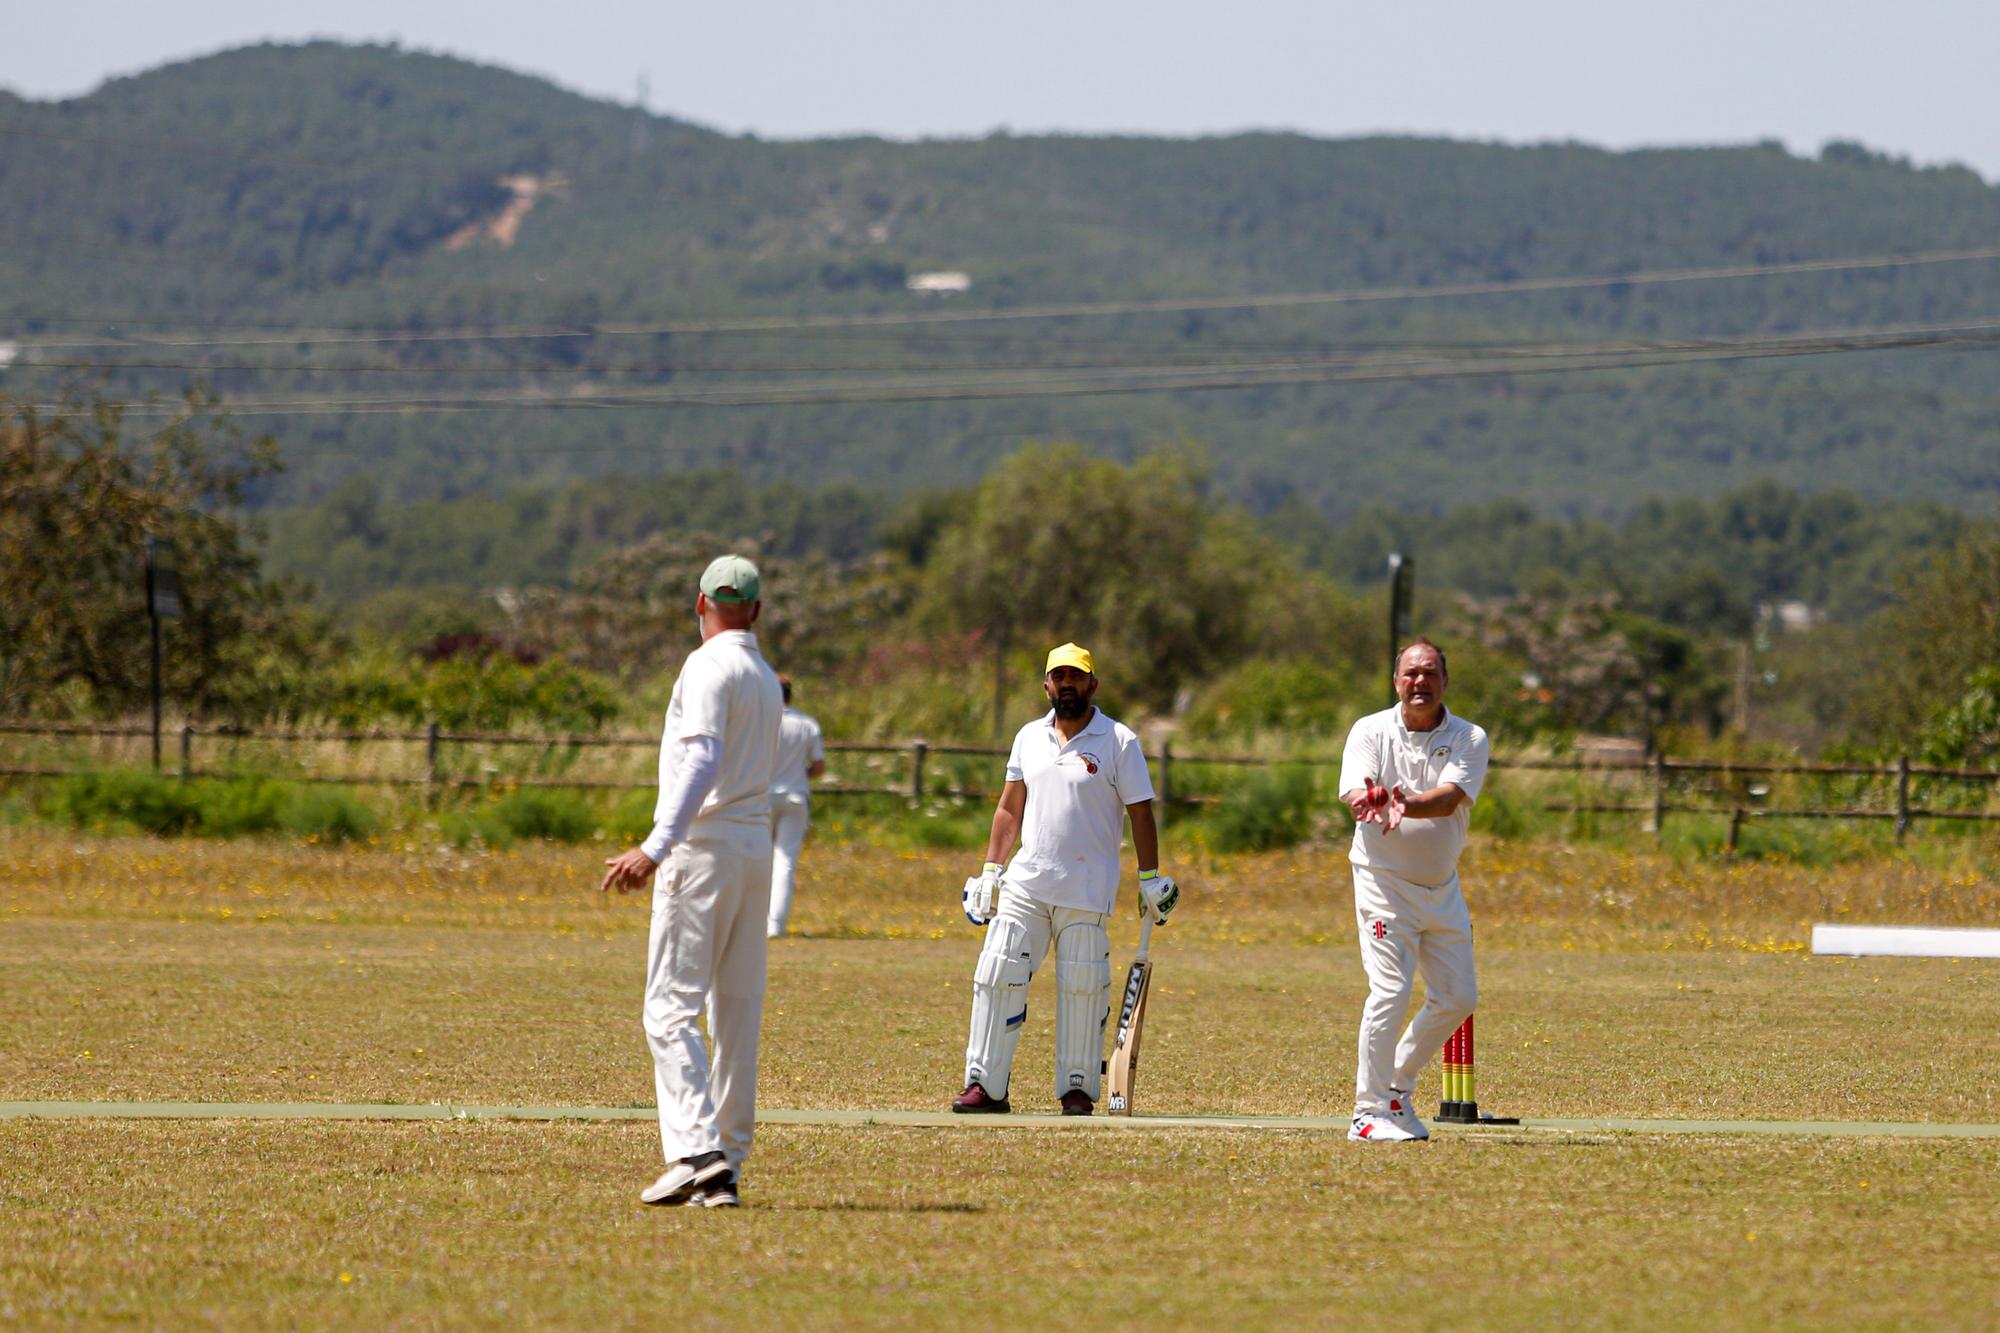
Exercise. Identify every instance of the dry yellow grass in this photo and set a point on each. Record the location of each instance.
(1613, 985)
(259, 1224)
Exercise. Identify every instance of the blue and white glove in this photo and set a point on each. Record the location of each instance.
(982, 892)
(1157, 895)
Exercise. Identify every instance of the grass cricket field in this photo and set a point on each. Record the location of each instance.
(1612, 986)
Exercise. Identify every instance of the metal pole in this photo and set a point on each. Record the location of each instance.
(187, 750)
(1402, 574)
(917, 751)
(1395, 597)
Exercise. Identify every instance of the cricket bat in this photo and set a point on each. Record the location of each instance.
(1131, 1022)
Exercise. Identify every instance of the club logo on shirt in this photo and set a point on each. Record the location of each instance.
(1379, 929)
(1441, 752)
(1089, 761)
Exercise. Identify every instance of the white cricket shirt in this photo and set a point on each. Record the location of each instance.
(1423, 851)
(726, 690)
(800, 746)
(1075, 817)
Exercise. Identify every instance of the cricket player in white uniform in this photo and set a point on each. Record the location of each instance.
(709, 860)
(801, 759)
(1410, 774)
(1073, 778)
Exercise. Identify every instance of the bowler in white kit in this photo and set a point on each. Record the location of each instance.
(1410, 775)
(1073, 778)
(709, 860)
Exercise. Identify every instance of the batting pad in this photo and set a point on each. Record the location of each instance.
(1083, 1003)
(1906, 941)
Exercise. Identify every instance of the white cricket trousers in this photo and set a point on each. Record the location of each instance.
(706, 950)
(789, 816)
(1018, 938)
(1408, 931)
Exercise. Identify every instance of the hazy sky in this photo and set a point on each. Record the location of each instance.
(1904, 77)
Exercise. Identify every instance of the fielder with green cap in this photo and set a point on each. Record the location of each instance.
(709, 860)
(1073, 778)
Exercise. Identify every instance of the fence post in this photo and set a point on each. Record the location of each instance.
(430, 764)
(1735, 827)
(1902, 796)
(1166, 777)
(187, 750)
(918, 749)
(1659, 820)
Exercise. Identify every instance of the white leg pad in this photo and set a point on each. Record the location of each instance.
(999, 1003)
(1083, 1000)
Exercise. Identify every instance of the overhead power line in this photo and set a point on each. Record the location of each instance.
(1078, 310)
(1080, 383)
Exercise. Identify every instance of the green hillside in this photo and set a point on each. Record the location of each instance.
(153, 224)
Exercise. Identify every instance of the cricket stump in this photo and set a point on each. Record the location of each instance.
(1460, 1103)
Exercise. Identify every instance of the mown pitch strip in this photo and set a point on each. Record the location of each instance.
(944, 1120)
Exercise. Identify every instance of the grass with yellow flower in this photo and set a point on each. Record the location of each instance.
(1613, 983)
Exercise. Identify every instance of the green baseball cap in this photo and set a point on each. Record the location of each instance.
(731, 579)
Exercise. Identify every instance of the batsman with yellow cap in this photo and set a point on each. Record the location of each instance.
(1073, 778)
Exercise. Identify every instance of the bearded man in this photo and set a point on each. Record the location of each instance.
(1073, 778)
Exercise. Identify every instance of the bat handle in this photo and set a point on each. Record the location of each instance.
(1145, 938)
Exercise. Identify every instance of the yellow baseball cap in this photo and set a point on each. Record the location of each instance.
(1070, 654)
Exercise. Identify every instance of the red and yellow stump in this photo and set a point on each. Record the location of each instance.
(1460, 1103)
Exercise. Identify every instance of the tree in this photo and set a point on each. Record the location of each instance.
(1967, 730)
(631, 614)
(1603, 668)
(1943, 628)
(78, 502)
(1143, 563)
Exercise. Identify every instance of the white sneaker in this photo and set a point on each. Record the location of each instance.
(681, 1183)
(1405, 1114)
(1373, 1128)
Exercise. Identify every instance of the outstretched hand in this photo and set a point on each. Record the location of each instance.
(1376, 804)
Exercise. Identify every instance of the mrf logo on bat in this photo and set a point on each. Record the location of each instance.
(1135, 985)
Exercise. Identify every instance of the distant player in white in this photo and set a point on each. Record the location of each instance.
(709, 860)
(1073, 777)
(1410, 774)
(801, 759)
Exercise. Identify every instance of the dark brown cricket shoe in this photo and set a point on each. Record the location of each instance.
(974, 1101)
(1077, 1102)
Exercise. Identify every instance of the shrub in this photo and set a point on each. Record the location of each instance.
(237, 806)
(1295, 697)
(329, 815)
(947, 832)
(1274, 808)
(1504, 814)
(558, 816)
(464, 828)
(128, 797)
(630, 817)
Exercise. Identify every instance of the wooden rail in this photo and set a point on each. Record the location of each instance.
(923, 780)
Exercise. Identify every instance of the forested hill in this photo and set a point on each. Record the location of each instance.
(157, 224)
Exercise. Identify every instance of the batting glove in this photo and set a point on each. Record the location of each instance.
(1157, 895)
(981, 893)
